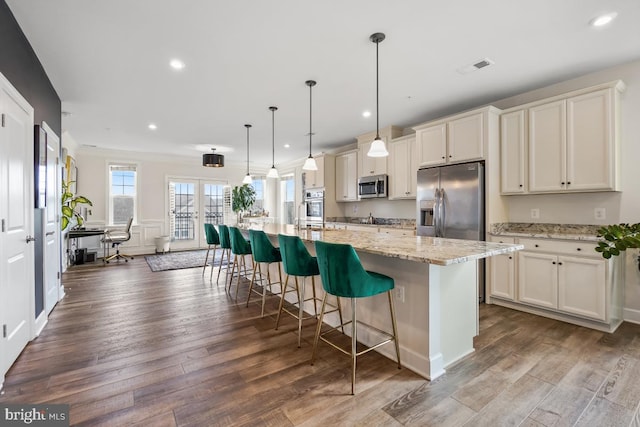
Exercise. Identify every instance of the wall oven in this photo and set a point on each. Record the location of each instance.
(372, 186)
(314, 205)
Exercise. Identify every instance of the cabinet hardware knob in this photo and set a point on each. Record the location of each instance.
(559, 263)
(554, 263)
(536, 245)
(562, 183)
(579, 249)
(569, 183)
(521, 185)
(450, 156)
(443, 157)
(510, 258)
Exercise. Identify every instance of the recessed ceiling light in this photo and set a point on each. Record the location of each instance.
(366, 114)
(153, 126)
(287, 145)
(602, 20)
(176, 64)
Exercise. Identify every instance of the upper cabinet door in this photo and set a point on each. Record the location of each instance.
(512, 152)
(372, 165)
(432, 145)
(346, 177)
(547, 147)
(466, 138)
(590, 142)
(403, 168)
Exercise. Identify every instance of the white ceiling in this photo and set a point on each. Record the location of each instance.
(109, 63)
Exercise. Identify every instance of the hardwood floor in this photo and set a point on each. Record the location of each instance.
(130, 347)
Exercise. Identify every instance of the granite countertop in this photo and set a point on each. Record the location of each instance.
(433, 250)
(549, 231)
(402, 223)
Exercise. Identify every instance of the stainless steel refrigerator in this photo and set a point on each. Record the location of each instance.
(450, 203)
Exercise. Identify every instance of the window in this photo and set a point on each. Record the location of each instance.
(122, 193)
(258, 185)
(287, 195)
(213, 204)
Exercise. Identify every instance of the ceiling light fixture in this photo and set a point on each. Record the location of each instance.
(310, 163)
(176, 64)
(152, 126)
(377, 148)
(602, 20)
(213, 160)
(366, 114)
(247, 179)
(273, 172)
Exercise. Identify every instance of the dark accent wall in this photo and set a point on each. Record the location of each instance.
(21, 66)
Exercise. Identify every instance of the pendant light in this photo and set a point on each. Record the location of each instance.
(247, 179)
(213, 160)
(273, 172)
(310, 163)
(377, 148)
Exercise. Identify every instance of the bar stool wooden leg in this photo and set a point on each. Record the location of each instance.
(319, 328)
(300, 308)
(224, 251)
(253, 277)
(284, 291)
(206, 258)
(354, 341)
(212, 264)
(313, 288)
(233, 269)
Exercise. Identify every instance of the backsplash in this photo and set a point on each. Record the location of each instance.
(393, 222)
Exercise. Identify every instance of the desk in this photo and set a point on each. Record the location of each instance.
(78, 234)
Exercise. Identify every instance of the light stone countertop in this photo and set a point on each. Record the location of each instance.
(547, 231)
(433, 250)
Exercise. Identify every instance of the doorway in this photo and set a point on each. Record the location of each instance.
(192, 203)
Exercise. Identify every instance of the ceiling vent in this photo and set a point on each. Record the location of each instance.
(475, 66)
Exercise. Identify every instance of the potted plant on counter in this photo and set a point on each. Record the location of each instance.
(242, 199)
(70, 203)
(618, 238)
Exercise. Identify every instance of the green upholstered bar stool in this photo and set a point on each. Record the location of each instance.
(213, 239)
(263, 252)
(225, 245)
(240, 248)
(343, 276)
(297, 262)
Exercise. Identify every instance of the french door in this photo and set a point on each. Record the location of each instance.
(192, 203)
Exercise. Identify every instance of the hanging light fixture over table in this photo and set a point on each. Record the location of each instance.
(213, 160)
(247, 179)
(310, 163)
(273, 172)
(377, 148)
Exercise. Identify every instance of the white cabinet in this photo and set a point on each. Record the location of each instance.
(502, 272)
(552, 276)
(567, 143)
(454, 139)
(369, 166)
(513, 152)
(403, 168)
(347, 177)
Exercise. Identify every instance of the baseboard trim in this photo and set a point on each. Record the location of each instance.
(631, 315)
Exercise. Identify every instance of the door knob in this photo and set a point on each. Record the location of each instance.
(30, 239)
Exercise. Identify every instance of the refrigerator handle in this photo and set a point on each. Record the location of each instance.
(436, 215)
(441, 212)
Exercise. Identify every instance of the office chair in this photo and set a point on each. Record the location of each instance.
(116, 238)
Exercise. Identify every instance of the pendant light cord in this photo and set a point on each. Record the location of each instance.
(247, 126)
(377, 96)
(310, 86)
(273, 138)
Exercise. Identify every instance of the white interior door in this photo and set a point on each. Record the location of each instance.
(52, 281)
(184, 211)
(17, 292)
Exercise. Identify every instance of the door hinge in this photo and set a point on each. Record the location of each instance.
(2, 119)
(58, 275)
(3, 225)
(4, 331)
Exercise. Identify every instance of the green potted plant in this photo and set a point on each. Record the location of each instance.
(618, 238)
(242, 199)
(70, 202)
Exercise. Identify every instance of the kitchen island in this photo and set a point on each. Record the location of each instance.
(436, 291)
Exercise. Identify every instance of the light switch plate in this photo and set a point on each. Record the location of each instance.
(535, 213)
(600, 213)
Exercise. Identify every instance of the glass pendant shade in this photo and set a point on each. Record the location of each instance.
(310, 164)
(377, 149)
(247, 179)
(273, 172)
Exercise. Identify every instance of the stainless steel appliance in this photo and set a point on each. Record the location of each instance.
(370, 187)
(450, 203)
(314, 207)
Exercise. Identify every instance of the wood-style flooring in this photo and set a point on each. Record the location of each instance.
(128, 347)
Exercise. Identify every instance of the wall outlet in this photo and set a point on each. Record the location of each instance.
(535, 213)
(399, 293)
(600, 213)
(355, 208)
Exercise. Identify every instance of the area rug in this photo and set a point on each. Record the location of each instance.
(180, 260)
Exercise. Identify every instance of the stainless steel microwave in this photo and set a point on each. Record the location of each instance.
(370, 187)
